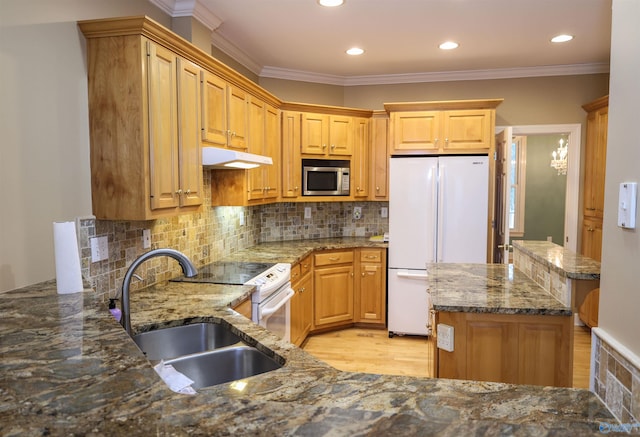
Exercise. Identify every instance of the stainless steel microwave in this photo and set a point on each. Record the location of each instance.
(325, 177)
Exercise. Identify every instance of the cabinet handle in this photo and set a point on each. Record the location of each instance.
(334, 258)
(591, 209)
(371, 257)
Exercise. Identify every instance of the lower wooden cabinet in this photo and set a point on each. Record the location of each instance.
(370, 286)
(589, 309)
(333, 289)
(302, 301)
(244, 308)
(512, 348)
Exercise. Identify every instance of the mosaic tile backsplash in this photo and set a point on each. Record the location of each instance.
(616, 380)
(214, 233)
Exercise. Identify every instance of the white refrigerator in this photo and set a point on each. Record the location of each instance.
(438, 212)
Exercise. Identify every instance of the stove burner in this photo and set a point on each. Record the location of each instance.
(227, 272)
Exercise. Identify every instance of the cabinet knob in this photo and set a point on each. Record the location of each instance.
(435, 141)
(446, 140)
(295, 188)
(333, 146)
(179, 192)
(187, 192)
(324, 146)
(590, 229)
(302, 290)
(377, 188)
(363, 274)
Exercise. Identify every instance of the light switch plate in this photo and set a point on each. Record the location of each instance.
(627, 205)
(445, 337)
(307, 212)
(99, 248)
(384, 212)
(146, 238)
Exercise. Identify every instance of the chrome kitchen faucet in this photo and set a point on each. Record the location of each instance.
(188, 269)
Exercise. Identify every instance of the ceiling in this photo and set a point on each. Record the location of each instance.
(298, 39)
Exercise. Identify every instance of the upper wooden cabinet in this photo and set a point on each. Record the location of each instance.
(361, 161)
(327, 135)
(462, 126)
(144, 129)
(224, 113)
(291, 161)
(379, 167)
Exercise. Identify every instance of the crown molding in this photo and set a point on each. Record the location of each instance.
(226, 46)
(442, 76)
(189, 8)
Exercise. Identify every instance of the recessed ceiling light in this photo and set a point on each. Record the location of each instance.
(562, 38)
(449, 45)
(330, 3)
(355, 51)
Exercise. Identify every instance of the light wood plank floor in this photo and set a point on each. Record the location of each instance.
(372, 351)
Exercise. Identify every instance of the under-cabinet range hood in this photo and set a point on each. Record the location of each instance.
(215, 157)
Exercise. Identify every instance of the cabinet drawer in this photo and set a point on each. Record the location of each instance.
(305, 266)
(371, 255)
(327, 259)
(295, 273)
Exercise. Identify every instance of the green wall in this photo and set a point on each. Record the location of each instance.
(545, 191)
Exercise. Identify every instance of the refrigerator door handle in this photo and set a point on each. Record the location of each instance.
(412, 275)
(434, 195)
(440, 222)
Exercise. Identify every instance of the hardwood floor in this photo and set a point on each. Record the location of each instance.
(372, 351)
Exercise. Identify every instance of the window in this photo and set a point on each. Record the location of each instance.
(518, 163)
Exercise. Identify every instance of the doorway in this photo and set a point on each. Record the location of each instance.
(571, 198)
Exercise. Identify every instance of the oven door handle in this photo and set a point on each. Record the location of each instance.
(266, 312)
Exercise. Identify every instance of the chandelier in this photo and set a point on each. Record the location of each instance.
(559, 161)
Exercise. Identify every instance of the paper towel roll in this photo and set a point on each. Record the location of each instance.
(68, 273)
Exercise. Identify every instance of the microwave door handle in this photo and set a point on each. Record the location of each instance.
(269, 311)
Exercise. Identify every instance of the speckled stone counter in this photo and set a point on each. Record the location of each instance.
(489, 288)
(295, 251)
(559, 259)
(565, 274)
(68, 368)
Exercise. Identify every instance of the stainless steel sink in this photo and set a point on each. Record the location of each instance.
(224, 365)
(167, 343)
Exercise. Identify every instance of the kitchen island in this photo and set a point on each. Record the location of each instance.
(506, 328)
(70, 368)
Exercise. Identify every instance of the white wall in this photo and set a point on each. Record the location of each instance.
(44, 146)
(620, 281)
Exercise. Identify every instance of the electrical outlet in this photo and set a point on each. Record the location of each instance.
(99, 248)
(146, 238)
(357, 212)
(445, 337)
(307, 212)
(242, 221)
(549, 238)
(384, 212)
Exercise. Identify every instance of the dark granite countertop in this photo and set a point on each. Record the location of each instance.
(489, 288)
(561, 260)
(68, 368)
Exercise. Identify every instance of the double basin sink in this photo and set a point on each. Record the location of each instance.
(208, 353)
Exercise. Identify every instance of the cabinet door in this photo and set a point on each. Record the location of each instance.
(595, 162)
(302, 310)
(190, 156)
(315, 134)
(415, 131)
(379, 158)
(214, 109)
(360, 161)
(255, 176)
(272, 149)
(333, 291)
(291, 162)
(467, 129)
(371, 308)
(163, 128)
(592, 238)
(340, 135)
(237, 119)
